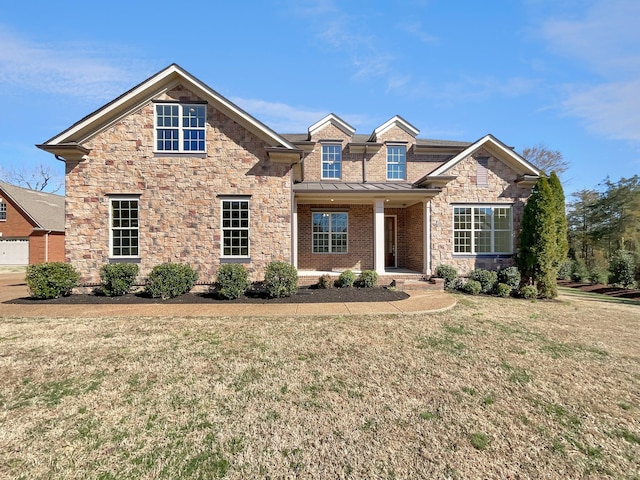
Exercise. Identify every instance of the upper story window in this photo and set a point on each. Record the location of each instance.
(124, 227)
(235, 228)
(331, 161)
(396, 162)
(482, 229)
(180, 127)
(3, 211)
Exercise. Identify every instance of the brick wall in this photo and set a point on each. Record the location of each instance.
(16, 225)
(46, 248)
(180, 219)
(360, 239)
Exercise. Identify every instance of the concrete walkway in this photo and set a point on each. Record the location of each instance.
(12, 286)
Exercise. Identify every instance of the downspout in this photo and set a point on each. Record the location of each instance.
(46, 246)
(364, 165)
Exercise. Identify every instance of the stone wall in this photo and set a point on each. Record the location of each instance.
(179, 195)
(501, 190)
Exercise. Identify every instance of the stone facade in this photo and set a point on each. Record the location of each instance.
(179, 195)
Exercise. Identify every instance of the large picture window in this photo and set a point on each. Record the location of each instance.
(124, 227)
(331, 161)
(482, 230)
(396, 162)
(180, 127)
(235, 228)
(330, 230)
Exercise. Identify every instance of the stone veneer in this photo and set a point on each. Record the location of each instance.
(179, 195)
(501, 189)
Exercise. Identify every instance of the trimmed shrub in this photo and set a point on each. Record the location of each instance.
(503, 290)
(116, 279)
(458, 284)
(529, 292)
(169, 280)
(510, 276)
(472, 287)
(346, 279)
(367, 279)
(51, 279)
(622, 269)
(281, 279)
(448, 273)
(487, 279)
(325, 281)
(232, 281)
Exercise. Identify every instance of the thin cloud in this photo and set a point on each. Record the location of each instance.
(415, 30)
(63, 69)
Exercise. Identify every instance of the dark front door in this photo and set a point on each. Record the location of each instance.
(390, 249)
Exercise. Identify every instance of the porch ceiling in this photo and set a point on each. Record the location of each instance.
(394, 194)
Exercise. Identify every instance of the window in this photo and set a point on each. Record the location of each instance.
(482, 230)
(331, 161)
(124, 227)
(180, 127)
(396, 162)
(330, 232)
(235, 228)
(3, 211)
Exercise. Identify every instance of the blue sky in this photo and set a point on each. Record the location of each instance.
(565, 73)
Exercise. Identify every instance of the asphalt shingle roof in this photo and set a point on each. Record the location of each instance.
(45, 209)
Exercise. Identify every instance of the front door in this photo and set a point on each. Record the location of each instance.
(390, 250)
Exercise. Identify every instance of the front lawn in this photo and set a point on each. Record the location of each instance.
(495, 388)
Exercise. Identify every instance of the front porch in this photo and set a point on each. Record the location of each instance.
(401, 278)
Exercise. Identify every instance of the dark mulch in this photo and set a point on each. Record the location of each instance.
(304, 295)
(603, 289)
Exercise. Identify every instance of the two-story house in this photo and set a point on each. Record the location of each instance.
(173, 171)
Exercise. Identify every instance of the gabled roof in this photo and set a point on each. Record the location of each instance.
(336, 121)
(498, 149)
(161, 82)
(45, 210)
(396, 121)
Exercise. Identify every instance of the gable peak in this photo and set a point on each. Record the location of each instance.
(395, 121)
(336, 121)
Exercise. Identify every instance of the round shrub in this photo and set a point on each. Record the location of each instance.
(579, 272)
(503, 290)
(169, 280)
(458, 284)
(281, 279)
(529, 292)
(325, 281)
(472, 287)
(511, 276)
(346, 279)
(116, 279)
(622, 268)
(232, 281)
(51, 279)
(368, 279)
(487, 279)
(448, 273)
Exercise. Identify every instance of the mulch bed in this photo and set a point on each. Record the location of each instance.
(603, 289)
(304, 295)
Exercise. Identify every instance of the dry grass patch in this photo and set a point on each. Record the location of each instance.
(495, 388)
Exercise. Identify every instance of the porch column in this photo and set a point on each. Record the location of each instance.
(294, 234)
(426, 209)
(378, 236)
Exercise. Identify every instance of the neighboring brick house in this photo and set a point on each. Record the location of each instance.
(173, 171)
(31, 226)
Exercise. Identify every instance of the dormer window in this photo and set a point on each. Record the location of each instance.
(180, 127)
(396, 162)
(331, 161)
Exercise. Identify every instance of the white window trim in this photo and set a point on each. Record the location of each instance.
(322, 162)
(387, 163)
(330, 252)
(181, 128)
(111, 227)
(474, 206)
(222, 228)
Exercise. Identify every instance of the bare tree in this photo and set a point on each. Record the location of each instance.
(546, 159)
(41, 178)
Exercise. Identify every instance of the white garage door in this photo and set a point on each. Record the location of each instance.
(14, 251)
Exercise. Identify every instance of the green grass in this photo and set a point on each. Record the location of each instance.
(574, 292)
